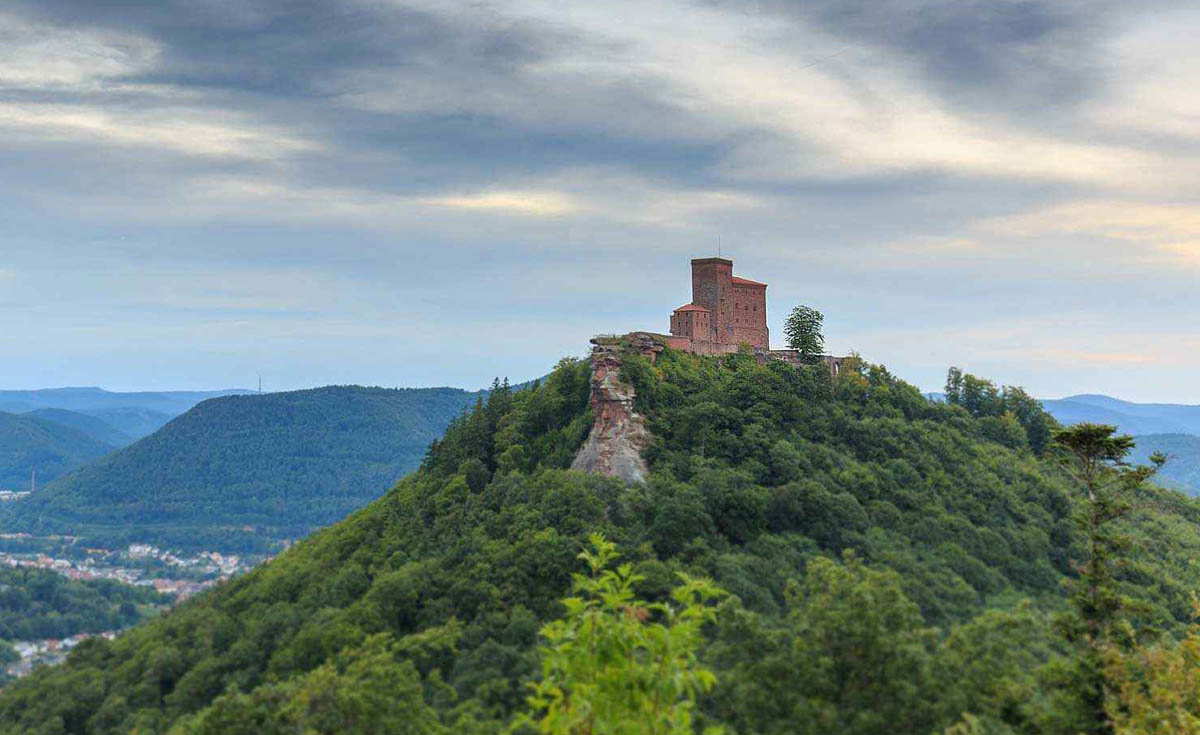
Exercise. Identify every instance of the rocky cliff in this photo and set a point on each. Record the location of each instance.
(614, 446)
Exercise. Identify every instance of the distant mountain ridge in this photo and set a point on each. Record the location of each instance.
(1127, 416)
(243, 471)
(134, 414)
(91, 398)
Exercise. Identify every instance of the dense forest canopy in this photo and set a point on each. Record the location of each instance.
(241, 473)
(40, 603)
(892, 564)
(97, 429)
(31, 443)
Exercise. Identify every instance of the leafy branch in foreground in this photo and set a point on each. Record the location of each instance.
(609, 668)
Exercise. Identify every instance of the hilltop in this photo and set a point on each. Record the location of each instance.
(779, 482)
(244, 472)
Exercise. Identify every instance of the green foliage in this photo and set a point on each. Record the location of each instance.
(853, 657)
(239, 472)
(1095, 458)
(97, 429)
(762, 477)
(608, 668)
(39, 603)
(803, 331)
(29, 443)
(362, 691)
(1015, 416)
(1156, 688)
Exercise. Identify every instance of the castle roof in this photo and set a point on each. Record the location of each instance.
(691, 307)
(746, 282)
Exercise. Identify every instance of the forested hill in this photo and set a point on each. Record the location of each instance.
(29, 443)
(240, 472)
(96, 428)
(895, 563)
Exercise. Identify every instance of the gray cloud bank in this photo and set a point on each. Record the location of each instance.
(427, 192)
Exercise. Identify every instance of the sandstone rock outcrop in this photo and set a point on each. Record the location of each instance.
(614, 446)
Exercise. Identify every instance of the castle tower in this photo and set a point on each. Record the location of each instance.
(711, 287)
(726, 311)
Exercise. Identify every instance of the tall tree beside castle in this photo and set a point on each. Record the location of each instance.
(803, 331)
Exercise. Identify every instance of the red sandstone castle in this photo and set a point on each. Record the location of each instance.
(725, 313)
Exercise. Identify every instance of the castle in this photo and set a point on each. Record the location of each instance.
(726, 315)
(726, 312)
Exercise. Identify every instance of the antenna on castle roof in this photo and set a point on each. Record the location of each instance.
(718, 246)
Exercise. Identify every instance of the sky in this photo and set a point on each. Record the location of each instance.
(194, 193)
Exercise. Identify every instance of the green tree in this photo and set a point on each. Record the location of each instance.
(854, 658)
(364, 691)
(1156, 689)
(609, 668)
(1094, 457)
(803, 331)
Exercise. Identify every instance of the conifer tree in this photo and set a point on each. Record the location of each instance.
(1094, 456)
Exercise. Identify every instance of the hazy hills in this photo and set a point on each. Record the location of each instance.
(133, 414)
(1182, 470)
(242, 471)
(1173, 429)
(89, 399)
(1128, 417)
(29, 443)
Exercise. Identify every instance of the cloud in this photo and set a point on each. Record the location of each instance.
(1069, 358)
(536, 203)
(1155, 80)
(47, 56)
(189, 132)
(900, 163)
(1154, 231)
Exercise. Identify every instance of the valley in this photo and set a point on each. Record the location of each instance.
(171, 578)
